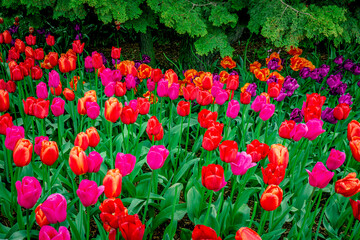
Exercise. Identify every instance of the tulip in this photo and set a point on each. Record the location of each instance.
(190, 92)
(353, 129)
(94, 161)
(96, 60)
(110, 89)
(258, 103)
(341, 111)
(299, 131)
(335, 159)
(10, 86)
(125, 163)
(348, 186)
(150, 84)
(204, 98)
(273, 174)
(246, 233)
(4, 100)
(130, 81)
(212, 177)
(36, 73)
(39, 54)
(50, 40)
(279, 155)
(314, 129)
(41, 108)
(154, 129)
(232, 82)
(49, 233)
(257, 150)
(40, 217)
(228, 151)
(69, 94)
(112, 109)
(221, 97)
(274, 89)
(57, 91)
(13, 134)
(205, 117)
(78, 161)
(355, 148)
(112, 183)
(211, 140)
(29, 191)
(16, 73)
(245, 98)
(38, 144)
(162, 88)
(174, 91)
(88, 192)
(22, 152)
(128, 115)
(5, 122)
(131, 227)
(285, 128)
(355, 208)
(82, 140)
(93, 136)
(267, 111)
(30, 40)
(320, 176)
(111, 211)
(54, 208)
(49, 152)
(92, 110)
(115, 53)
(143, 105)
(242, 163)
(271, 198)
(156, 156)
(233, 109)
(183, 108)
(7, 37)
(77, 46)
(19, 46)
(202, 232)
(57, 107)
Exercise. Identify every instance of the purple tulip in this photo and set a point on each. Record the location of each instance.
(315, 74)
(94, 161)
(242, 163)
(54, 208)
(42, 91)
(146, 59)
(339, 60)
(298, 132)
(57, 106)
(13, 134)
(29, 191)
(314, 128)
(296, 115)
(328, 116)
(233, 109)
(252, 89)
(356, 69)
(348, 64)
(54, 79)
(174, 91)
(157, 156)
(305, 72)
(273, 64)
(267, 111)
(320, 176)
(346, 99)
(49, 233)
(92, 110)
(335, 159)
(125, 163)
(88, 192)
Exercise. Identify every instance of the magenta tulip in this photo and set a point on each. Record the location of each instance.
(94, 161)
(150, 84)
(116, 75)
(133, 104)
(258, 103)
(88, 62)
(13, 134)
(88, 192)
(29, 191)
(217, 86)
(92, 109)
(174, 91)
(221, 97)
(42, 91)
(106, 76)
(162, 88)
(54, 208)
(314, 128)
(125, 163)
(233, 109)
(54, 79)
(320, 176)
(267, 111)
(298, 132)
(130, 81)
(335, 159)
(110, 89)
(242, 163)
(157, 156)
(49, 233)
(57, 106)
(38, 143)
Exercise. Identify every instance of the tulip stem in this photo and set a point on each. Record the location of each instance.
(188, 130)
(27, 224)
(88, 226)
(179, 146)
(209, 207)
(170, 115)
(356, 230)
(161, 107)
(306, 214)
(123, 134)
(266, 130)
(262, 222)
(148, 197)
(226, 128)
(138, 135)
(110, 150)
(197, 135)
(253, 214)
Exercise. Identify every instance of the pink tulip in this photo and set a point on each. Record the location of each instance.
(150, 84)
(298, 132)
(13, 134)
(258, 103)
(314, 128)
(94, 161)
(49, 233)
(88, 192)
(157, 156)
(54, 208)
(92, 109)
(221, 97)
(242, 163)
(233, 109)
(125, 163)
(38, 143)
(335, 159)
(267, 111)
(106, 76)
(88, 62)
(162, 88)
(174, 91)
(130, 81)
(132, 104)
(57, 106)
(216, 87)
(29, 192)
(42, 91)
(110, 89)
(116, 75)
(54, 79)
(320, 176)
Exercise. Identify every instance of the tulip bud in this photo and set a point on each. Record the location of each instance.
(125, 163)
(335, 159)
(228, 151)
(29, 191)
(49, 152)
(183, 108)
(5, 122)
(88, 192)
(348, 186)
(154, 129)
(271, 198)
(156, 156)
(112, 183)
(78, 161)
(212, 177)
(242, 163)
(4, 100)
(54, 208)
(112, 109)
(94, 161)
(320, 176)
(22, 152)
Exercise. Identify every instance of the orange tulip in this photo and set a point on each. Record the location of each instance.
(255, 65)
(82, 140)
(49, 152)
(40, 217)
(93, 136)
(279, 155)
(4, 100)
(64, 64)
(353, 129)
(144, 71)
(355, 148)
(171, 77)
(69, 94)
(228, 62)
(261, 74)
(22, 152)
(295, 51)
(112, 109)
(348, 186)
(78, 161)
(112, 183)
(271, 198)
(246, 233)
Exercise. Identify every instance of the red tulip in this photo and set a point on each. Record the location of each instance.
(190, 92)
(49, 152)
(97, 60)
(78, 47)
(212, 177)
(228, 150)
(232, 82)
(202, 232)
(271, 198)
(82, 140)
(22, 152)
(131, 227)
(355, 205)
(19, 45)
(4, 100)
(257, 150)
(112, 109)
(30, 40)
(143, 105)
(93, 136)
(274, 89)
(115, 53)
(183, 108)
(246, 233)
(205, 117)
(285, 128)
(69, 94)
(154, 129)
(245, 97)
(341, 111)
(273, 174)
(50, 40)
(353, 129)
(204, 98)
(5, 122)
(41, 108)
(211, 140)
(128, 115)
(39, 54)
